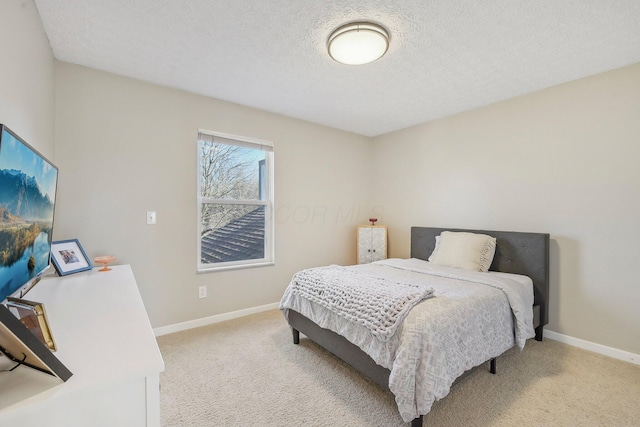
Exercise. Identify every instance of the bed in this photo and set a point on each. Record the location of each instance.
(518, 253)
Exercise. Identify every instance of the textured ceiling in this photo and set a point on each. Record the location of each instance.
(445, 56)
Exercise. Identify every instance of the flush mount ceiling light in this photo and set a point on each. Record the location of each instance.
(358, 43)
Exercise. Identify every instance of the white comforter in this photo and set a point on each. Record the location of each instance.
(469, 320)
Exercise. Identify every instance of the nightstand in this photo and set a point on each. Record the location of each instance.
(372, 243)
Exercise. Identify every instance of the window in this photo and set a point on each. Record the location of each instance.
(235, 202)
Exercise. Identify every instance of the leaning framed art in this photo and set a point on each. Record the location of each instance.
(68, 257)
(23, 348)
(34, 316)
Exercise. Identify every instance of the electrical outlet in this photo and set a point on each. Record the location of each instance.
(202, 292)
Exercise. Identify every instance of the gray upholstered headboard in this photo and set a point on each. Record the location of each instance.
(516, 252)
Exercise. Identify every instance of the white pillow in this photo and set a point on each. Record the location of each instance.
(469, 251)
(435, 250)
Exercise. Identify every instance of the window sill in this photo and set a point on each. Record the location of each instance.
(235, 267)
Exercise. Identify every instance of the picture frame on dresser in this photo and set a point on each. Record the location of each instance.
(34, 316)
(69, 257)
(22, 348)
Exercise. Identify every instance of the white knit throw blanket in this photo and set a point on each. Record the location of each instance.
(377, 303)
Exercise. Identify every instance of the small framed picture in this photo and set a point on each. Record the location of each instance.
(23, 348)
(68, 257)
(33, 315)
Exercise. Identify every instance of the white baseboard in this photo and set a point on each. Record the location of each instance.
(596, 348)
(164, 330)
(576, 342)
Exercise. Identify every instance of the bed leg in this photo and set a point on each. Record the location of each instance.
(539, 331)
(417, 422)
(296, 336)
(492, 368)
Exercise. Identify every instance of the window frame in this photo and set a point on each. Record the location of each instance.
(267, 202)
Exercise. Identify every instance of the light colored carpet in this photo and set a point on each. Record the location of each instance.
(247, 372)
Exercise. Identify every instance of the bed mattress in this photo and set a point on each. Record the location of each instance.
(471, 318)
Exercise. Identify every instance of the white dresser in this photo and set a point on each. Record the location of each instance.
(372, 243)
(104, 338)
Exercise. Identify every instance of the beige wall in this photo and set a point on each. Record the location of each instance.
(563, 161)
(26, 75)
(125, 147)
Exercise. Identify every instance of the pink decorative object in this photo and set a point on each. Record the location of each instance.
(373, 220)
(104, 260)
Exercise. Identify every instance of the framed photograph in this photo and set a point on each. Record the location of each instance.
(23, 348)
(33, 315)
(68, 257)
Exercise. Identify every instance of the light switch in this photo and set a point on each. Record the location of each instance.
(151, 217)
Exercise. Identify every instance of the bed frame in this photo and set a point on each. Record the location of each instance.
(516, 252)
